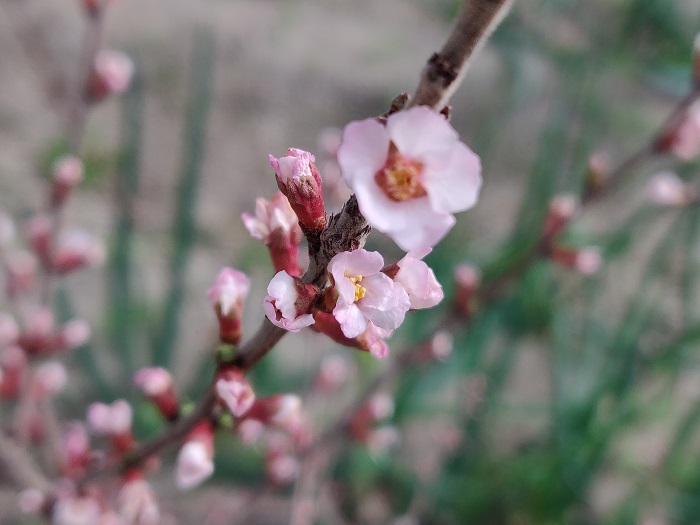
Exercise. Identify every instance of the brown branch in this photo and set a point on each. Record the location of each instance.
(19, 466)
(445, 70)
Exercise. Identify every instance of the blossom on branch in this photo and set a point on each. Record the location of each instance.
(276, 224)
(288, 302)
(410, 175)
(195, 462)
(298, 178)
(418, 279)
(111, 74)
(365, 294)
(227, 297)
(234, 391)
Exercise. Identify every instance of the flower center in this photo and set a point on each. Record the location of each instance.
(360, 290)
(400, 178)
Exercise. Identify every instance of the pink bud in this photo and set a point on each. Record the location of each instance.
(40, 232)
(157, 384)
(250, 430)
(561, 211)
(683, 138)
(468, 280)
(381, 440)
(77, 249)
(667, 189)
(195, 461)
(334, 372)
(75, 447)
(13, 363)
(381, 406)
(234, 391)
(598, 172)
(276, 224)
(67, 172)
(110, 420)
(75, 333)
(50, 378)
(9, 331)
(441, 345)
(21, 272)
(111, 75)
(589, 260)
(282, 468)
(227, 297)
(137, 503)
(31, 501)
(76, 511)
(299, 180)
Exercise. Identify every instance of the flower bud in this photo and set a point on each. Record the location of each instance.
(282, 410)
(50, 378)
(21, 267)
(75, 449)
(77, 249)
(282, 469)
(111, 75)
(40, 230)
(234, 391)
(227, 297)
(597, 173)
(682, 138)
(587, 261)
(561, 210)
(276, 224)
(137, 503)
(289, 301)
(13, 363)
(66, 173)
(195, 461)
(333, 373)
(468, 280)
(157, 385)
(113, 421)
(299, 180)
(667, 189)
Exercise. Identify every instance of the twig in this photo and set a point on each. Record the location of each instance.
(445, 69)
(19, 467)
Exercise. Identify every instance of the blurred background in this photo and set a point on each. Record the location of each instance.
(566, 399)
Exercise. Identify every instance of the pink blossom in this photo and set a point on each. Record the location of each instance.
(416, 277)
(373, 340)
(441, 345)
(234, 391)
(75, 333)
(667, 189)
(286, 304)
(50, 378)
(282, 468)
(273, 215)
(110, 420)
(276, 224)
(76, 249)
(589, 260)
(153, 381)
(137, 503)
(9, 331)
(561, 211)
(111, 75)
(31, 501)
(194, 464)
(410, 176)
(365, 294)
(67, 172)
(227, 297)
(299, 180)
(381, 406)
(76, 511)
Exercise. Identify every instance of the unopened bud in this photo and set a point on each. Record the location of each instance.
(468, 280)
(682, 138)
(77, 249)
(667, 189)
(75, 333)
(50, 378)
(299, 180)
(587, 261)
(111, 75)
(21, 269)
(227, 297)
(195, 461)
(110, 420)
(598, 172)
(334, 372)
(561, 211)
(40, 232)
(282, 469)
(234, 391)
(67, 172)
(157, 385)
(381, 406)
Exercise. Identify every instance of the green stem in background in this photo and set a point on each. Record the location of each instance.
(184, 229)
(121, 303)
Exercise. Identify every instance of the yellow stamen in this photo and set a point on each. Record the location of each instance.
(359, 289)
